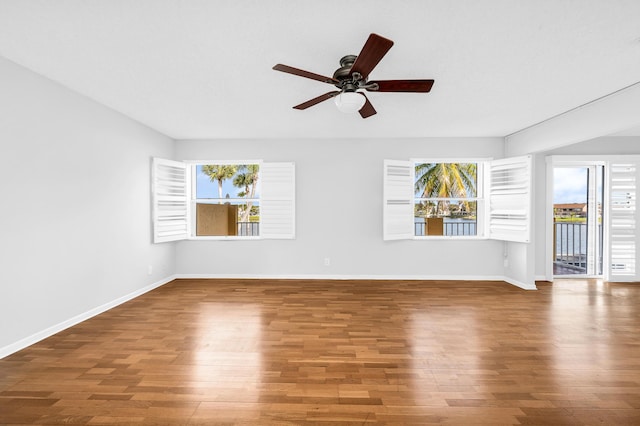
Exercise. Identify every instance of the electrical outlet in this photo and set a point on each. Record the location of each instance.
(149, 270)
(506, 262)
(327, 261)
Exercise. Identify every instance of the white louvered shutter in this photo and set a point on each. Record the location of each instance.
(623, 225)
(277, 203)
(397, 210)
(169, 200)
(509, 207)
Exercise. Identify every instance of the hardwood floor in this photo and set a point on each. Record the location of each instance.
(279, 352)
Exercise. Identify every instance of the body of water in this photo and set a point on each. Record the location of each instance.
(571, 238)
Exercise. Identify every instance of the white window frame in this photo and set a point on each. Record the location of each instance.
(277, 200)
(479, 198)
(590, 163)
(191, 170)
(503, 209)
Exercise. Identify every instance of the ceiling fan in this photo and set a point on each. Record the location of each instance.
(352, 76)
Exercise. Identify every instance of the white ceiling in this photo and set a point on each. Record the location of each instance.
(202, 68)
(634, 131)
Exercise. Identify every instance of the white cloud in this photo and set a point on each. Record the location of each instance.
(569, 185)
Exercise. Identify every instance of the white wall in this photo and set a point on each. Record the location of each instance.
(75, 216)
(339, 214)
(607, 145)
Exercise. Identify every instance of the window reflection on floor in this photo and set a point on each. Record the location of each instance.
(227, 353)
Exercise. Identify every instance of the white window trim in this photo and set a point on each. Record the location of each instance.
(191, 171)
(552, 162)
(222, 162)
(479, 198)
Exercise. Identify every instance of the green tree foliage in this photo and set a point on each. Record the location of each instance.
(247, 179)
(218, 173)
(446, 180)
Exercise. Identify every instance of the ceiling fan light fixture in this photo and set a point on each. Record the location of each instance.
(349, 102)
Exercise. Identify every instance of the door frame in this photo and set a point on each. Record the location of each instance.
(570, 161)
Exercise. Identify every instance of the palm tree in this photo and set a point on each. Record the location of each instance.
(219, 173)
(248, 180)
(446, 180)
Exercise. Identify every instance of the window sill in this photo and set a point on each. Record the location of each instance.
(223, 238)
(450, 237)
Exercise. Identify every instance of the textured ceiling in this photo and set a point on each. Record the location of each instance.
(202, 69)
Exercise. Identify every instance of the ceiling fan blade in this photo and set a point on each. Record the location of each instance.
(416, 86)
(317, 100)
(367, 109)
(303, 73)
(372, 52)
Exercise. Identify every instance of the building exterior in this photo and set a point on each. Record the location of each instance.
(570, 210)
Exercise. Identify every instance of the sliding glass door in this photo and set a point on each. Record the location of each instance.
(578, 219)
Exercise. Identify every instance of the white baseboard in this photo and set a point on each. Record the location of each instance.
(50, 331)
(342, 277)
(520, 284)
(364, 277)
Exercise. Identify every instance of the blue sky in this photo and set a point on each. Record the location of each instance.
(207, 189)
(569, 185)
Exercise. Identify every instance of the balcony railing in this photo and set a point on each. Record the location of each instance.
(453, 228)
(249, 229)
(570, 246)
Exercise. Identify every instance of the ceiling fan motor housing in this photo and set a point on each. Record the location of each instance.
(346, 81)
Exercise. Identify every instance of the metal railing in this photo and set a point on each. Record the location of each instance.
(249, 229)
(449, 228)
(570, 246)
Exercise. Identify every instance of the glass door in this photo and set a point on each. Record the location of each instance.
(577, 220)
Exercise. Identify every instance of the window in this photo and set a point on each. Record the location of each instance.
(222, 200)
(457, 199)
(226, 199)
(446, 198)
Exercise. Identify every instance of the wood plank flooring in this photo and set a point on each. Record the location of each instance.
(296, 352)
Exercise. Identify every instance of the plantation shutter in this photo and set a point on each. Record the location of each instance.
(169, 200)
(510, 199)
(277, 204)
(623, 243)
(397, 208)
